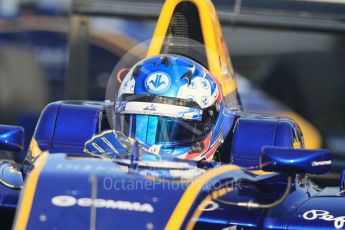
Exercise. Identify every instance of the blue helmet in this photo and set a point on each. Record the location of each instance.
(172, 104)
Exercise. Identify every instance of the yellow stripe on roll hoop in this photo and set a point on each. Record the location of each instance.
(216, 49)
(217, 56)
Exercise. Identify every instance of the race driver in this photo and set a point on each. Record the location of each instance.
(170, 104)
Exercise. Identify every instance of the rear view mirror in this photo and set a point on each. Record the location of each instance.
(11, 138)
(279, 159)
(10, 176)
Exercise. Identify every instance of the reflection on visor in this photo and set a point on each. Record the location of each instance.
(159, 100)
(168, 132)
(153, 109)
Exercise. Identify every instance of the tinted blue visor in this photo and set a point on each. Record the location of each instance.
(164, 131)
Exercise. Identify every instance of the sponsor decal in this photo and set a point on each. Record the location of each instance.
(320, 163)
(205, 84)
(204, 101)
(151, 107)
(157, 82)
(70, 201)
(314, 214)
(155, 149)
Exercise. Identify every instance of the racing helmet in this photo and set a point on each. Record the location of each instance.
(172, 104)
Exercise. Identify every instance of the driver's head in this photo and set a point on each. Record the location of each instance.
(173, 104)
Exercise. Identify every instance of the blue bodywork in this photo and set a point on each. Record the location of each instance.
(66, 126)
(280, 159)
(71, 185)
(11, 138)
(9, 176)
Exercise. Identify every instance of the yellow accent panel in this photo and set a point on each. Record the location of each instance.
(216, 49)
(34, 148)
(28, 193)
(187, 199)
(261, 172)
(216, 194)
(312, 138)
(297, 144)
(162, 27)
(221, 58)
(197, 213)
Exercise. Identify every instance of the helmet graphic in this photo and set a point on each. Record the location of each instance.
(174, 105)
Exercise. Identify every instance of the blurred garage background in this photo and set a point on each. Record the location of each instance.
(291, 51)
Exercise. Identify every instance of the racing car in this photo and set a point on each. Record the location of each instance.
(257, 180)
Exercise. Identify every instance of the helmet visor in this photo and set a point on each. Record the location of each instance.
(164, 131)
(165, 121)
